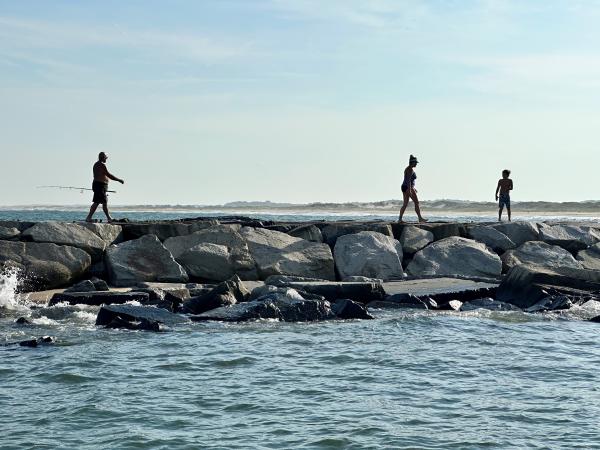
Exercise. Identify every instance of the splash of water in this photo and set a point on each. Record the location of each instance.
(9, 283)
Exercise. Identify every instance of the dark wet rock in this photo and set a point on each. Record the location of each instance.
(519, 232)
(331, 232)
(277, 253)
(551, 303)
(23, 321)
(348, 309)
(224, 294)
(44, 266)
(273, 306)
(360, 292)
(98, 298)
(537, 253)
(488, 303)
(143, 259)
(163, 230)
(71, 234)
(525, 285)
(595, 319)
(368, 254)
(382, 304)
(98, 270)
(407, 301)
(307, 232)
(82, 286)
(9, 234)
(138, 316)
(43, 340)
(18, 224)
(452, 305)
(456, 256)
(490, 236)
(99, 284)
(141, 325)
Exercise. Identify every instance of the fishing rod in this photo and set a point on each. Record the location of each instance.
(71, 187)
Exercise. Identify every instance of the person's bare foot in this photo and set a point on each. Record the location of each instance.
(422, 220)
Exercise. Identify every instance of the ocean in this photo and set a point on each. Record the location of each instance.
(408, 379)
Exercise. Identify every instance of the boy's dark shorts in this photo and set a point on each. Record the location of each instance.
(504, 200)
(100, 192)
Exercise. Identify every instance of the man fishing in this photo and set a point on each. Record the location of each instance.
(100, 186)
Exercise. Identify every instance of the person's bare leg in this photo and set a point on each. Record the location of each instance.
(508, 211)
(105, 209)
(415, 199)
(500, 214)
(91, 213)
(404, 205)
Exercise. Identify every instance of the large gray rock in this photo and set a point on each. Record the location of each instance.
(133, 313)
(368, 254)
(277, 253)
(143, 259)
(456, 256)
(536, 253)
(491, 237)
(216, 253)
(414, 239)
(63, 233)
(525, 285)
(333, 231)
(519, 232)
(571, 238)
(7, 234)
(108, 232)
(590, 258)
(44, 266)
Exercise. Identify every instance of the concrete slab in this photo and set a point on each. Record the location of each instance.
(440, 288)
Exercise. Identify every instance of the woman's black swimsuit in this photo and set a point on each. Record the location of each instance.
(409, 182)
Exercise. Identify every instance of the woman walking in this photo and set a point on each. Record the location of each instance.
(408, 189)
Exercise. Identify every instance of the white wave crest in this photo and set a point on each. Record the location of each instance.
(9, 283)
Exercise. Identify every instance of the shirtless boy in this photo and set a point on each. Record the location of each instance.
(504, 187)
(100, 186)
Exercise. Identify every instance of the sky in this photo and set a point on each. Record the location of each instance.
(206, 102)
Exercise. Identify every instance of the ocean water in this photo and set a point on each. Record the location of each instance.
(408, 379)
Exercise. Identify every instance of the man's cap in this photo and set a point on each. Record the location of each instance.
(412, 159)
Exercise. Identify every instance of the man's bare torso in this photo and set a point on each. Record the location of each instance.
(506, 185)
(100, 172)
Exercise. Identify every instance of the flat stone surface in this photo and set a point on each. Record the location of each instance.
(433, 286)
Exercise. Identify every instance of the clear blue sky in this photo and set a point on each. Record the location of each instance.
(203, 102)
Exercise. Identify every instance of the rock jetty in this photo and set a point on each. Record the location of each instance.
(148, 275)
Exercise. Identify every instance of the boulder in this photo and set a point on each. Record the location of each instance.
(99, 284)
(537, 253)
(98, 298)
(43, 340)
(524, 285)
(407, 301)
(347, 309)
(82, 286)
(8, 234)
(226, 293)
(18, 224)
(444, 230)
(310, 233)
(216, 253)
(277, 253)
(488, 303)
(590, 258)
(368, 254)
(143, 259)
(63, 233)
(108, 232)
(289, 307)
(332, 232)
(551, 303)
(519, 232)
(491, 237)
(414, 239)
(456, 256)
(44, 266)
